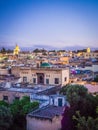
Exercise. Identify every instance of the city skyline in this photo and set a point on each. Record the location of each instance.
(57, 23)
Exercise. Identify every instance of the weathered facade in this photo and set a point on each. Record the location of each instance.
(9, 95)
(51, 76)
(44, 124)
(47, 118)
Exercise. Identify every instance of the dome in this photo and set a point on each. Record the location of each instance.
(45, 64)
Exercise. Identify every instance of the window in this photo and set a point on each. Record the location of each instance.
(65, 79)
(34, 80)
(5, 98)
(56, 80)
(33, 74)
(47, 81)
(24, 79)
(47, 75)
(17, 98)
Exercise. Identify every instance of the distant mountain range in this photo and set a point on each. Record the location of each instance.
(47, 47)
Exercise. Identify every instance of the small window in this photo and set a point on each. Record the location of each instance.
(17, 98)
(47, 81)
(65, 79)
(5, 98)
(56, 81)
(34, 80)
(24, 79)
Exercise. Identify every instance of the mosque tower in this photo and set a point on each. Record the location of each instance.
(16, 50)
(88, 50)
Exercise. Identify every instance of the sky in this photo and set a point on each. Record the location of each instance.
(56, 23)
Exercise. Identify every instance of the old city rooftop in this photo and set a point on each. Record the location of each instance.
(48, 112)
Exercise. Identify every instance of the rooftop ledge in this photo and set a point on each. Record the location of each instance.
(43, 68)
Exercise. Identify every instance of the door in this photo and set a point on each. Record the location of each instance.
(40, 78)
(60, 102)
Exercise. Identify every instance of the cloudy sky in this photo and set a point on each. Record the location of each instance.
(57, 23)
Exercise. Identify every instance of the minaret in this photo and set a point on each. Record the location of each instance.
(16, 50)
(88, 50)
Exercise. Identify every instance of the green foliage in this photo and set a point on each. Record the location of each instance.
(3, 103)
(96, 79)
(15, 107)
(23, 106)
(81, 100)
(97, 110)
(30, 106)
(3, 50)
(74, 93)
(19, 109)
(5, 118)
(85, 123)
(63, 90)
(25, 100)
(39, 50)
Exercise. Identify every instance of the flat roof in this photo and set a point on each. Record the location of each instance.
(92, 88)
(45, 68)
(33, 89)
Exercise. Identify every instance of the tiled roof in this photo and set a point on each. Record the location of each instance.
(48, 112)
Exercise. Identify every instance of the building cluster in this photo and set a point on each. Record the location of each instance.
(40, 75)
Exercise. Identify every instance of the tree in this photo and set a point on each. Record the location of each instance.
(84, 123)
(96, 79)
(74, 93)
(23, 106)
(66, 122)
(3, 103)
(79, 100)
(19, 109)
(3, 50)
(30, 106)
(5, 118)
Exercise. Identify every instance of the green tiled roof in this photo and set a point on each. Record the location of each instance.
(45, 65)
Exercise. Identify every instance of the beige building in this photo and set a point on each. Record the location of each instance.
(45, 74)
(88, 55)
(3, 71)
(51, 76)
(10, 94)
(41, 121)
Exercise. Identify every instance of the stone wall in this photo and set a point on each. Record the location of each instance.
(43, 124)
(11, 95)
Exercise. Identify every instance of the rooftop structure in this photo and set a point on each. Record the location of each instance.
(11, 91)
(44, 64)
(47, 117)
(48, 112)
